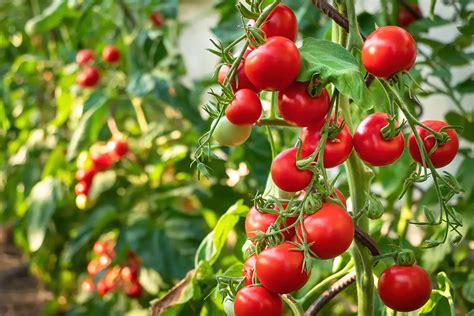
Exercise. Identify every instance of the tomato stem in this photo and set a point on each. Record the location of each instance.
(293, 305)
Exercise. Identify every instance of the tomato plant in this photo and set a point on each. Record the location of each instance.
(136, 169)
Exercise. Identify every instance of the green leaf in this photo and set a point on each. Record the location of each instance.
(212, 245)
(41, 206)
(454, 118)
(467, 86)
(93, 117)
(468, 291)
(90, 228)
(468, 29)
(452, 56)
(102, 182)
(50, 18)
(335, 64)
(441, 301)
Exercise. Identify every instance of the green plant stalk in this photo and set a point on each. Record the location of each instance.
(359, 182)
(293, 305)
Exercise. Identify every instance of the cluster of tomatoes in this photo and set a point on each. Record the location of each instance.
(89, 76)
(378, 141)
(97, 161)
(123, 276)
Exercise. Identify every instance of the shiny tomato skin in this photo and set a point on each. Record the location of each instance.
(281, 22)
(84, 56)
(388, 50)
(228, 134)
(88, 285)
(81, 187)
(102, 161)
(405, 17)
(279, 268)
(111, 54)
(242, 81)
(256, 221)
(370, 144)
(404, 288)
(102, 287)
(157, 19)
(245, 109)
(285, 173)
(331, 230)
(88, 77)
(257, 301)
(133, 290)
(444, 154)
(249, 267)
(100, 248)
(118, 147)
(86, 175)
(274, 65)
(299, 108)
(341, 196)
(336, 150)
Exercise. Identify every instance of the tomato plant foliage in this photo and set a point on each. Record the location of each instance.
(80, 77)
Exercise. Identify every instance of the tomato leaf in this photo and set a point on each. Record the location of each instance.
(90, 123)
(212, 245)
(51, 17)
(42, 203)
(335, 64)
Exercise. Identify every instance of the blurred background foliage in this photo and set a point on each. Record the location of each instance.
(154, 204)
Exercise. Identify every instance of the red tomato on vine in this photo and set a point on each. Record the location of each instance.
(256, 221)
(248, 269)
(281, 22)
(241, 81)
(298, 107)
(330, 229)
(444, 153)
(285, 173)
(88, 77)
(387, 51)
(336, 150)
(405, 17)
(257, 301)
(245, 109)
(274, 65)
(370, 144)
(404, 288)
(111, 54)
(84, 56)
(279, 268)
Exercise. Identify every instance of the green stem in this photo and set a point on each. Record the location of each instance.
(274, 122)
(310, 295)
(359, 178)
(141, 118)
(293, 305)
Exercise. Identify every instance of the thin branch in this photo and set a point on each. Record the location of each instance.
(330, 293)
(367, 241)
(410, 9)
(127, 13)
(331, 12)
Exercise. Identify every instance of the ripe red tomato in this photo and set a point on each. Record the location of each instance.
(111, 54)
(102, 161)
(81, 187)
(336, 150)
(111, 277)
(88, 77)
(102, 287)
(388, 50)
(86, 175)
(404, 288)
(340, 196)
(256, 221)
(257, 301)
(405, 17)
(117, 147)
(157, 19)
(134, 289)
(248, 269)
(330, 229)
(129, 273)
(229, 134)
(93, 267)
(279, 268)
(88, 285)
(245, 109)
(370, 144)
(444, 154)
(298, 107)
(84, 56)
(286, 174)
(281, 22)
(242, 81)
(274, 65)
